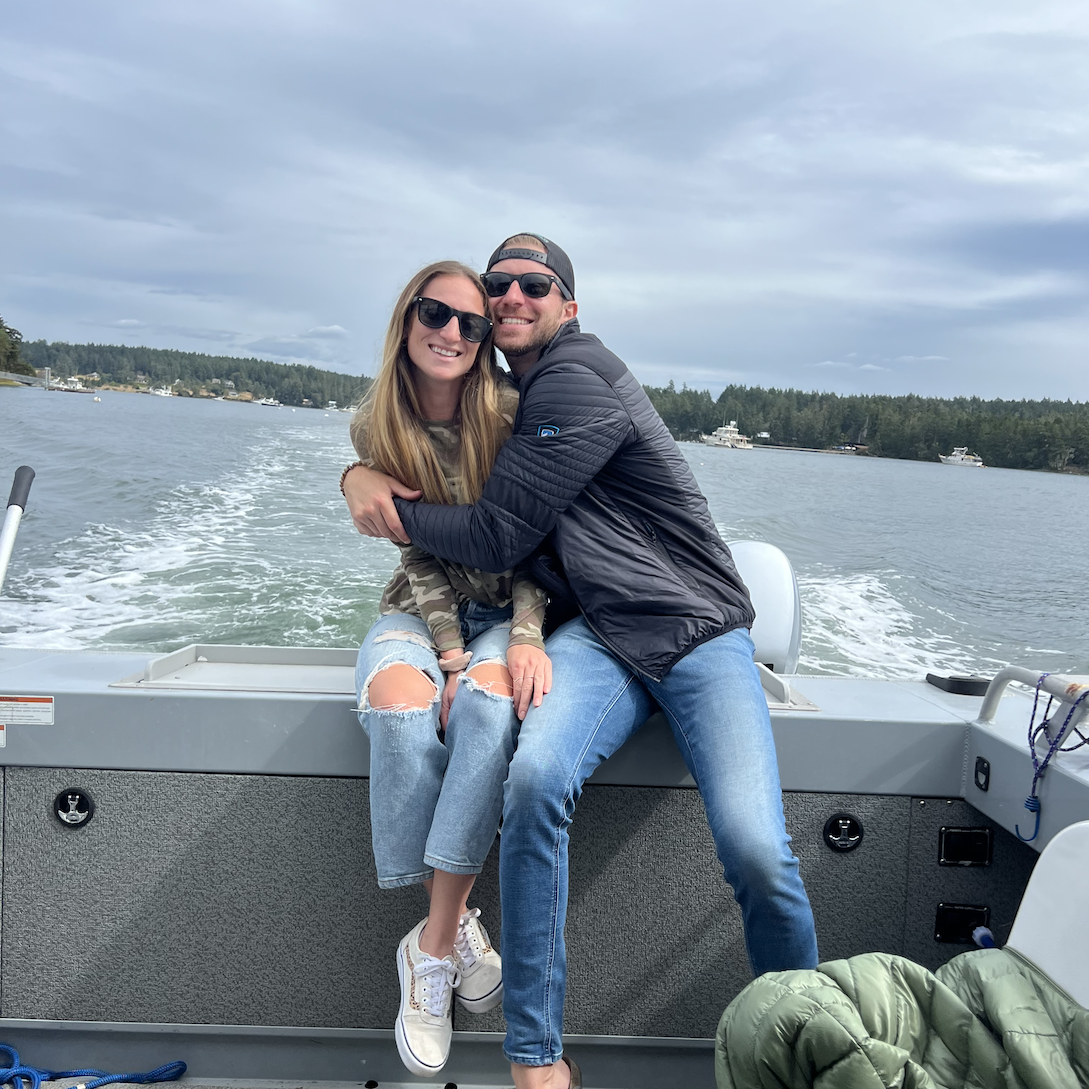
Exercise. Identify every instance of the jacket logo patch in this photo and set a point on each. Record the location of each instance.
(548, 429)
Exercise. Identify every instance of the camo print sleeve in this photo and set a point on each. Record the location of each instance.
(357, 429)
(529, 602)
(434, 596)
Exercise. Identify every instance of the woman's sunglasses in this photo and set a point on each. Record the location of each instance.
(437, 315)
(534, 285)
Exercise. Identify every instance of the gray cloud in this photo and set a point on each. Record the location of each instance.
(743, 191)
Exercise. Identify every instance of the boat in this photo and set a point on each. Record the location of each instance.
(271, 402)
(161, 391)
(960, 456)
(728, 435)
(188, 875)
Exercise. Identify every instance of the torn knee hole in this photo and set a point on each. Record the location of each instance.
(492, 678)
(399, 686)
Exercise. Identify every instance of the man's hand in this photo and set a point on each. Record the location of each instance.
(370, 503)
(530, 674)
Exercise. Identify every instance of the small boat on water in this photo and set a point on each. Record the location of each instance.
(728, 435)
(960, 456)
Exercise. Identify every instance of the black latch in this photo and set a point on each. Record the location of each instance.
(983, 773)
(843, 831)
(73, 807)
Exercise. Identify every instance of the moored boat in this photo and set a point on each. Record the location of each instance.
(960, 456)
(729, 436)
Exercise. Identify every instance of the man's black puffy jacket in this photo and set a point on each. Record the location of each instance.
(592, 478)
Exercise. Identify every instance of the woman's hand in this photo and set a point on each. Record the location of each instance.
(370, 503)
(530, 674)
(449, 690)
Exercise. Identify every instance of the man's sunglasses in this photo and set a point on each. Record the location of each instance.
(437, 315)
(534, 285)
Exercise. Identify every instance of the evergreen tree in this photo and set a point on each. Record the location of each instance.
(11, 341)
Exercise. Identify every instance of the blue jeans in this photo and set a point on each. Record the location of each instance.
(436, 805)
(716, 708)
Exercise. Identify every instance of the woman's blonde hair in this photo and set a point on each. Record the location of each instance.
(396, 440)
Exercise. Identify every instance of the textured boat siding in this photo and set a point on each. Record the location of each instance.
(251, 900)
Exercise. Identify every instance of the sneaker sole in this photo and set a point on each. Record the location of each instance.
(412, 1063)
(483, 1004)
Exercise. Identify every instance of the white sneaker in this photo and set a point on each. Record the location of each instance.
(425, 1020)
(481, 970)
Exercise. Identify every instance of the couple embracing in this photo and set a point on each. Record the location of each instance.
(557, 486)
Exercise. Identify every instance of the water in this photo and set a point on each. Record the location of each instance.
(156, 522)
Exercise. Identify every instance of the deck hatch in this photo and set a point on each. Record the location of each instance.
(955, 922)
(221, 668)
(965, 846)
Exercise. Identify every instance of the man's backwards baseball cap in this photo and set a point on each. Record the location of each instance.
(553, 257)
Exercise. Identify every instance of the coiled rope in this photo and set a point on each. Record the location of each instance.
(15, 1074)
(1055, 744)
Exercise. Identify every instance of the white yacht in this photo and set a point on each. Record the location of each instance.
(960, 456)
(728, 435)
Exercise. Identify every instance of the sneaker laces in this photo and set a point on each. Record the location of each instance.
(465, 944)
(437, 979)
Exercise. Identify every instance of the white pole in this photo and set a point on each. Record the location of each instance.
(16, 505)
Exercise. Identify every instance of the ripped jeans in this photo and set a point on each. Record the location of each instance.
(435, 804)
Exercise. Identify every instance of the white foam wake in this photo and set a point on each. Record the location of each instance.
(855, 625)
(255, 556)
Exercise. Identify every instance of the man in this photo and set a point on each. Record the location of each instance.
(592, 484)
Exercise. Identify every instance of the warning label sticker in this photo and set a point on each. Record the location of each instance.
(26, 710)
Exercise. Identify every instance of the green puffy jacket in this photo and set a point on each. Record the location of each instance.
(987, 1020)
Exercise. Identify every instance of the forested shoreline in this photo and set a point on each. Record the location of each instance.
(1048, 435)
(195, 373)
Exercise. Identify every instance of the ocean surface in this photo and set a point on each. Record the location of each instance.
(155, 522)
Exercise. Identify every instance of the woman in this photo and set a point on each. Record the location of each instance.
(437, 658)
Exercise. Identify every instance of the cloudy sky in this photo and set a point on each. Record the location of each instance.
(849, 195)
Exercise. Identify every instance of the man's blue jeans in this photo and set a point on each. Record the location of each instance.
(716, 708)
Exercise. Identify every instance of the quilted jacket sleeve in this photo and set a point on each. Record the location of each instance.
(571, 424)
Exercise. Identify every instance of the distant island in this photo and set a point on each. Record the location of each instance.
(1047, 435)
(194, 374)
(1050, 435)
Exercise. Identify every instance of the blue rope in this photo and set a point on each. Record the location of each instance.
(1055, 744)
(14, 1074)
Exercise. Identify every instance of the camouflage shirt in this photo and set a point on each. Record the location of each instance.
(432, 588)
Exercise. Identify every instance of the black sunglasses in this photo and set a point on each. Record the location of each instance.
(534, 285)
(437, 315)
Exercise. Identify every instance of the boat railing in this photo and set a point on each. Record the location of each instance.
(1064, 687)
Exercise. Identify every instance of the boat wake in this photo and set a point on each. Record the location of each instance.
(255, 557)
(855, 625)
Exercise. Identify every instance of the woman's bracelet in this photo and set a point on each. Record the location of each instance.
(347, 470)
(457, 663)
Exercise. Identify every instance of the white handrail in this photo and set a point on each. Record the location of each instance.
(1055, 684)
